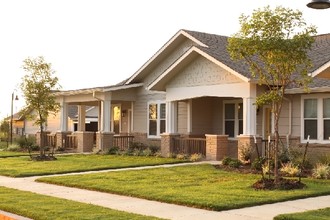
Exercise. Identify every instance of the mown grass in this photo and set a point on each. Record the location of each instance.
(4, 154)
(24, 166)
(37, 207)
(200, 186)
(320, 214)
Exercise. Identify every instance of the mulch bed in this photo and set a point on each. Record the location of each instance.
(266, 184)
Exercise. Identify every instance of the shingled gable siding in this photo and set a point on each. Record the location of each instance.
(168, 61)
(202, 72)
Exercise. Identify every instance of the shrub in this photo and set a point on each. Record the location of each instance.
(265, 169)
(196, 157)
(235, 163)
(146, 152)
(154, 149)
(290, 169)
(257, 163)
(113, 150)
(14, 147)
(321, 171)
(225, 161)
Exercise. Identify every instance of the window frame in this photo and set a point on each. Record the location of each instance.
(319, 118)
(158, 119)
(236, 120)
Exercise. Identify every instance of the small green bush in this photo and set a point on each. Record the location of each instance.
(146, 152)
(234, 163)
(181, 156)
(113, 150)
(325, 159)
(321, 171)
(257, 163)
(225, 161)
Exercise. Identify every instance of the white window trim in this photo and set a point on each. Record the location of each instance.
(158, 102)
(236, 129)
(319, 118)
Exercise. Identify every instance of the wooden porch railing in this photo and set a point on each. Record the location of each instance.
(71, 141)
(122, 141)
(51, 140)
(189, 146)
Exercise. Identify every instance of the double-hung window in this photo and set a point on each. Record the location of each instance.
(233, 118)
(156, 119)
(316, 117)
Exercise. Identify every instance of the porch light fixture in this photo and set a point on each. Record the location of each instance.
(319, 4)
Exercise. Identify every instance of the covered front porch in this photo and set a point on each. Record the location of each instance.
(114, 106)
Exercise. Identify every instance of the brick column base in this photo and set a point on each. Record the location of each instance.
(60, 138)
(104, 141)
(216, 146)
(85, 141)
(247, 151)
(167, 143)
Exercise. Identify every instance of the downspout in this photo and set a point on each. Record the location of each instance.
(290, 121)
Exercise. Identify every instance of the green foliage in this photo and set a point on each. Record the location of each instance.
(231, 162)
(274, 44)
(257, 163)
(321, 171)
(38, 87)
(325, 159)
(14, 148)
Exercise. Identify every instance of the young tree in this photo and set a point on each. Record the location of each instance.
(274, 44)
(38, 86)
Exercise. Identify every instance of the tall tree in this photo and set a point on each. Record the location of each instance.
(38, 86)
(274, 43)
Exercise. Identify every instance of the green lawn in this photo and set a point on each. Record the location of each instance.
(4, 154)
(200, 186)
(23, 166)
(37, 206)
(321, 214)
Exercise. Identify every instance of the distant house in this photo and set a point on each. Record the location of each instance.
(192, 89)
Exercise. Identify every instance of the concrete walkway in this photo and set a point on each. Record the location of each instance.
(159, 209)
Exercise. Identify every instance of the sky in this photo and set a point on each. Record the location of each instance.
(92, 43)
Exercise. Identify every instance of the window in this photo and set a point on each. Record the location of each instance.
(310, 118)
(316, 117)
(156, 119)
(233, 118)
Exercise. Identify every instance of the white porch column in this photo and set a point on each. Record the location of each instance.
(189, 116)
(106, 113)
(81, 117)
(64, 116)
(250, 112)
(171, 117)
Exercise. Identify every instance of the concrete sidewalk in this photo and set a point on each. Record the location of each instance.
(159, 209)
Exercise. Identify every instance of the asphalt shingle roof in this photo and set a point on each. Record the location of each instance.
(217, 48)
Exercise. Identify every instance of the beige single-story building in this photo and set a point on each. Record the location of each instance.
(192, 97)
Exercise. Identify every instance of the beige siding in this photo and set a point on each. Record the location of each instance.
(30, 129)
(169, 60)
(182, 117)
(53, 123)
(202, 72)
(141, 108)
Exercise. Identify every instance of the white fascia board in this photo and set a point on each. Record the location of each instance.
(321, 69)
(116, 88)
(300, 90)
(188, 52)
(181, 32)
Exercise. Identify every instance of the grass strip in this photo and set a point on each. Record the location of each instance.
(320, 214)
(24, 166)
(40, 207)
(201, 186)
